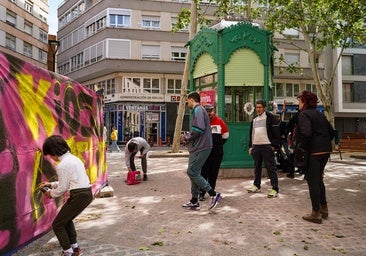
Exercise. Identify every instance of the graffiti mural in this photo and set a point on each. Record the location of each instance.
(34, 104)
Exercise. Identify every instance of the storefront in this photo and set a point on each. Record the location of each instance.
(147, 120)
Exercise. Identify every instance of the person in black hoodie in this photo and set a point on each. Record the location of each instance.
(315, 134)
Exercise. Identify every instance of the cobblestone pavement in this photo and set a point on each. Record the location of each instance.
(148, 219)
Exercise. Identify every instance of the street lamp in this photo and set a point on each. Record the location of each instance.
(54, 44)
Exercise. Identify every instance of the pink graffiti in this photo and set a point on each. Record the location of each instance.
(35, 104)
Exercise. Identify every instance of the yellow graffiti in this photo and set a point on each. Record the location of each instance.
(79, 149)
(102, 149)
(35, 190)
(34, 105)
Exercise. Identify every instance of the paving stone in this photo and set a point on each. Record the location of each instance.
(148, 219)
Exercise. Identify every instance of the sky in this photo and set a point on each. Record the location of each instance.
(52, 19)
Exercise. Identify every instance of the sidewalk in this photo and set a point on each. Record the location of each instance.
(148, 219)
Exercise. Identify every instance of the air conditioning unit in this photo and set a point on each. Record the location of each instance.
(320, 65)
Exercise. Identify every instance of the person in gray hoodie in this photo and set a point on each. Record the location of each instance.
(199, 143)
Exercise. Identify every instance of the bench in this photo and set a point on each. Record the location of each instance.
(352, 145)
(353, 142)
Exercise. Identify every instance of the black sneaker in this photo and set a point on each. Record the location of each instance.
(291, 175)
(144, 178)
(77, 252)
(189, 205)
(215, 201)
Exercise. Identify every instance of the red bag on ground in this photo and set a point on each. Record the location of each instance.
(133, 177)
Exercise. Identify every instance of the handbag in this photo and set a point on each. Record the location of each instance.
(301, 158)
(133, 177)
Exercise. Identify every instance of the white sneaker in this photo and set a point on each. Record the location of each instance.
(254, 189)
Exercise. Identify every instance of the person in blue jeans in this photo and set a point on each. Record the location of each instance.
(199, 143)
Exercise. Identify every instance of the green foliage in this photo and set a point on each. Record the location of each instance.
(224, 9)
(184, 18)
(182, 21)
(158, 243)
(277, 233)
(239, 9)
(324, 22)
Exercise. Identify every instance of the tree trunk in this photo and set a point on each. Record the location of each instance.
(185, 80)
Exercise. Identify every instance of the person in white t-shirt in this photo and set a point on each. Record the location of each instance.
(264, 140)
(71, 177)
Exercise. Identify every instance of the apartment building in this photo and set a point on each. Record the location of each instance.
(350, 92)
(125, 49)
(24, 30)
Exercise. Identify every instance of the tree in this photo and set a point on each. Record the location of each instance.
(324, 24)
(182, 22)
(193, 17)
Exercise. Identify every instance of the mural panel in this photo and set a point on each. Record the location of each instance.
(35, 104)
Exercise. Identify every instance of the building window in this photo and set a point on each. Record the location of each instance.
(11, 18)
(206, 81)
(101, 23)
(348, 93)
(174, 86)
(101, 86)
(10, 42)
(213, 2)
(28, 27)
(292, 90)
(291, 33)
(111, 86)
(279, 90)
(116, 20)
(178, 53)
(42, 56)
(90, 29)
(150, 22)
(311, 87)
(95, 26)
(27, 49)
(64, 68)
(28, 6)
(77, 61)
(151, 85)
(43, 36)
(347, 65)
(292, 58)
(150, 52)
(71, 14)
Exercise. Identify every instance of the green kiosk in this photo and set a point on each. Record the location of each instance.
(231, 65)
